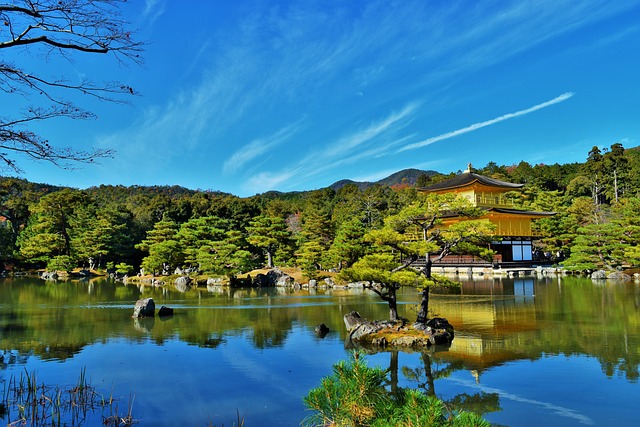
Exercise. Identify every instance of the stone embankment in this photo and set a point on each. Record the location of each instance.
(501, 272)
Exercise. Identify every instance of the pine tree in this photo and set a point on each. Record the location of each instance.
(348, 245)
(199, 232)
(162, 246)
(422, 219)
(268, 234)
(49, 231)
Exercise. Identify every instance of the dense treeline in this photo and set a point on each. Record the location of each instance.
(161, 228)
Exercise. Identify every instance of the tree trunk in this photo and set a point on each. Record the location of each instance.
(424, 301)
(269, 259)
(615, 184)
(424, 306)
(393, 305)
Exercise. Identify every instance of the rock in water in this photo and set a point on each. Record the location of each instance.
(144, 308)
(359, 327)
(322, 330)
(182, 283)
(165, 311)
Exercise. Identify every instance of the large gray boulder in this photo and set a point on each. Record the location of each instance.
(358, 327)
(275, 277)
(144, 308)
(182, 283)
(260, 281)
(49, 275)
(618, 275)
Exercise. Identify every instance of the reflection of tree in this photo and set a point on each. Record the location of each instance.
(8, 358)
(479, 403)
(271, 330)
(610, 334)
(213, 342)
(57, 352)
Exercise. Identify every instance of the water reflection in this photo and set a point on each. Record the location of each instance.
(515, 325)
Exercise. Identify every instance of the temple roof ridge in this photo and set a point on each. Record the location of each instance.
(469, 177)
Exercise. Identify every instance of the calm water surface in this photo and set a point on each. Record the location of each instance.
(527, 352)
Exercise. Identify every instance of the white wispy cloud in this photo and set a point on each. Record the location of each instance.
(265, 181)
(361, 144)
(259, 147)
(300, 59)
(153, 9)
(480, 125)
(547, 406)
(394, 122)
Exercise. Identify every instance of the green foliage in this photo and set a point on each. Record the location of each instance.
(606, 238)
(418, 409)
(165, 229)
(229, 255)
(309, 258)
(348, 244)
(268, 234)
(123, 268)
(321, 229)
(355, 396)
(162, 254)
(50, 228)
(379, 268)
(391, 264)
(6, 243)
(199, 232)
(162, 246)
(60, 263)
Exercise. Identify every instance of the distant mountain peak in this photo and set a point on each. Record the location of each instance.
(405, 176)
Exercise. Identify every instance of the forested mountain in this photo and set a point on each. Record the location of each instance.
(161, 227)
(403, 177)
(406, 176)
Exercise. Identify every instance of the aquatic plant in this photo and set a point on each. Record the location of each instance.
(25, 401)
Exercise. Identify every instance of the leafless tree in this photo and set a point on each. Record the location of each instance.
(56, 28)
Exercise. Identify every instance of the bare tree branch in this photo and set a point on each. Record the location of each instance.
(63, 28)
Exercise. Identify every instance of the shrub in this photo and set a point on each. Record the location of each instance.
(123, 268)
(355, 396)
(60, 263)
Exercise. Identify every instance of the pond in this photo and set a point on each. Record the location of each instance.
(527, 351)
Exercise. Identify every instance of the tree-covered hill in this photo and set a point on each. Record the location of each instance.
(161, 227)
(403, 177)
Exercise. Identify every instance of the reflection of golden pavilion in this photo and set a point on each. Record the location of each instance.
(491, 325)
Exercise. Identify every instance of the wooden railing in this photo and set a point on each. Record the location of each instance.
(461, 260)
(466, 259)
(494, 201)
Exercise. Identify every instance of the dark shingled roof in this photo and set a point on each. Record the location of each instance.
(519, 212)
(467, 178)
(505, 211)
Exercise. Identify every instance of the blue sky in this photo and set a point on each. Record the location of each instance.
(250, 96)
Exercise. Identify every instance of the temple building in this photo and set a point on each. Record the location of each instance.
(513, 243)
